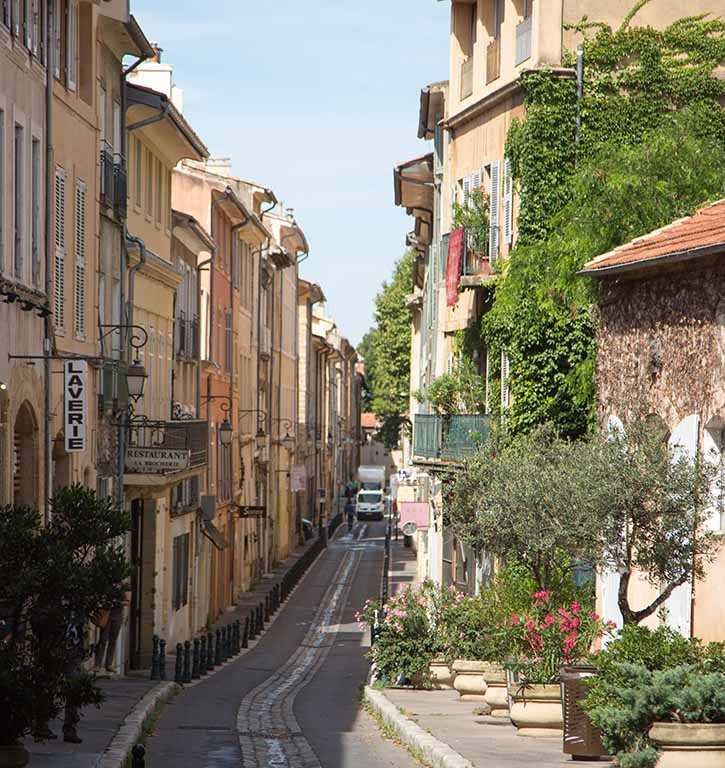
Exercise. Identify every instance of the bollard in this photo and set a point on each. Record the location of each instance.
(138, 756)
(266, 609)
(195, 660)
(245, 633)
(179, 669)
(225, 643)
(210, 652)
(260, 617)
(218, 649)
(187, 662)
(202, 656)
(162, 659)
(155, 658)
(235, 647)
(239, 635)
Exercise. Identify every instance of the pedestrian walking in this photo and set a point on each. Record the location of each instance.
(350, 513)
(109, 623)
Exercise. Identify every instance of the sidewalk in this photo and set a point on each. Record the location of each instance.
(403, 566)
(464, 739)
(109, 733)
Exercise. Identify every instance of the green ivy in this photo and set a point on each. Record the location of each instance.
(633, 170)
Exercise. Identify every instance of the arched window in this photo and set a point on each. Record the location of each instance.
(25, 457)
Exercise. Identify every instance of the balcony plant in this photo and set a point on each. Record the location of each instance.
(52, 578)
(473, 216)
(463, 390)
(543, 640)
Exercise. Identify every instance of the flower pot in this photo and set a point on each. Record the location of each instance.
(536, 710)
(470, 681)
(441, 675)
(689, 744)
(13, 756)
(496, 695)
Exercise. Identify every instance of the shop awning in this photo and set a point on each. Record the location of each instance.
(417, 512)
(214, 535)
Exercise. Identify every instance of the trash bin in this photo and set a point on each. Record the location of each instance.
(582, 740)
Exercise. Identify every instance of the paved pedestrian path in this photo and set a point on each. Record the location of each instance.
(403, 566)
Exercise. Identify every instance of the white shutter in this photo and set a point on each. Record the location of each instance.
(508, 203)
(56, 36)
(505, 394)
(59, 269)
(466, 189)
(79, 294)
(476, 179)
(493, 210)
(679, 604)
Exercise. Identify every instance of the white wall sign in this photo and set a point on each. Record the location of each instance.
(298, 478)
(75, 405)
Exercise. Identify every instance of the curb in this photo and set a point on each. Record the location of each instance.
(119, 750)
(434, 752)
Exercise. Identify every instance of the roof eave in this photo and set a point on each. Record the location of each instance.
(663, 260)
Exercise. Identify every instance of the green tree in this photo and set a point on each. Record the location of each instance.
(366, 352)
(390, 348)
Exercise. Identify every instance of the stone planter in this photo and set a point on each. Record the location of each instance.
(689, 744)
(14, 756)
(537, 710)
(441, 675)
(470, 681)
(496, 695)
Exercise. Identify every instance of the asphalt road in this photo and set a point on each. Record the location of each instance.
(293, 701)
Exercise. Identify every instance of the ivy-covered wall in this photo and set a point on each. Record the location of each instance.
(635, 79)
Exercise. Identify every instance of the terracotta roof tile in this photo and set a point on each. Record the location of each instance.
(703, 232)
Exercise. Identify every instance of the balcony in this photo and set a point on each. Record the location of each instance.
(107, 180)
(448, 438)
(467, 78)
(476, 266)
(523, 40)
(165, 452)
(493, 60)
(187, 336)
(120, 188)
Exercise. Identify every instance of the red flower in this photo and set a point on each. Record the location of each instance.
(549, 620)
(575, 607)
(515, 619)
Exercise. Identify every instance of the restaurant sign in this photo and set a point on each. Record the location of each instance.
(156, 460)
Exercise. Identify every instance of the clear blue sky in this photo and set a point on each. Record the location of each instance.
(317, 99)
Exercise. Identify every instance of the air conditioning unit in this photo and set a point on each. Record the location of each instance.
(208, 507)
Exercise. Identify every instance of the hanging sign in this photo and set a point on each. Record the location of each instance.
(75, 405)
(298, 478)
(156, 460)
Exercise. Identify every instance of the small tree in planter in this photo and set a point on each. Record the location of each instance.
(53, 578)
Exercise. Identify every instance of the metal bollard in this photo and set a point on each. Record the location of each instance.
(187, 661)
(138, 756)
(266, 609)
(225, 643)
(245, 633)
(179, 669)
(195, 660)
(155, 658)
(202, 656)
(162, 659)
(239, 635)
(218, 649)
(210, 652)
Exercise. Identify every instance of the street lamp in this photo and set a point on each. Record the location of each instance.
(225, 433)
(136, 380)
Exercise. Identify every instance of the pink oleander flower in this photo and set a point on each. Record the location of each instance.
(542, 596)
(515, 619)
(549, 620)
(575, 607)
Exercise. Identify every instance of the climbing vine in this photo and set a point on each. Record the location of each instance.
(651, 140)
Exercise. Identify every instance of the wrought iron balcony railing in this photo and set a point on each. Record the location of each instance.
(166, 447)
(448, 438)
(187, 336)
(107, 176)
(120, 187)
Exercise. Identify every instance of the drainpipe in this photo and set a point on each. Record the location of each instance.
(202, 265)
(48, 327)
(132, 274)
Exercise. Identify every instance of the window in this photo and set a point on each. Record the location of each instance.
(180, 590)
(497, 18)
(19, 193)
(149, 183)
(59, 266)
(472, 28)
(79, 293)
(159, 191)
(236, 277)
(16, 18)
(169, 202)
(228, 341)
(5, 12)
(71, 42)
(138, 154)
(224, 470)
(36, 212)
(35, 26)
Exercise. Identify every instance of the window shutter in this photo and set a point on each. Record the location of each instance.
(56, 37)
(493, 212)
(505, 392)
(508, 203)
(59, 269)
(79, 298)
(476, 178)
(466, 189)
(72, 45)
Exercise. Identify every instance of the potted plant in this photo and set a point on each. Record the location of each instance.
(443, 610)
(544, 640)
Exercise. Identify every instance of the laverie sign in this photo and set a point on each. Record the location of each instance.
(156, 460)
(75, 386)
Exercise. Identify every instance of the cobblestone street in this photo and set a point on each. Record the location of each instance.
(293, 700)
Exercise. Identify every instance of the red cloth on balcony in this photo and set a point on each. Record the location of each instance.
(456, 243)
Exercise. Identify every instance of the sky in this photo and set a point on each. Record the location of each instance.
(317, 99)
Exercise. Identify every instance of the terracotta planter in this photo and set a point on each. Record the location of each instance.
(496, 695)
(537, 710)
(441, 675)
(14, 756)
(686, 745)
(470, 681)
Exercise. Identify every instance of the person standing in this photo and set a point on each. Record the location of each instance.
(350, 513)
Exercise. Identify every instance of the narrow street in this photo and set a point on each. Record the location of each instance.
(293, 700)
